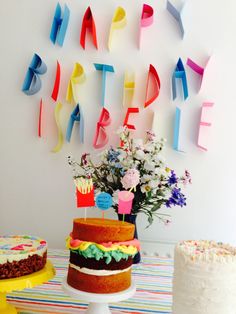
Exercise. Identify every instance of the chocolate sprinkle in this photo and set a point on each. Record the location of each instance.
(23, 267)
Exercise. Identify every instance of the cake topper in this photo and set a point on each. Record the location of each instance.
(103, 202)
(125, 201)
(130, 180)
(84, 193)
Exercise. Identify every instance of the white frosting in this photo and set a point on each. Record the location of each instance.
(19, 247)
(204, 280)
(98, 272)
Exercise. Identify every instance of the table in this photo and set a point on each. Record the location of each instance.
(20, 283)
(153, 279)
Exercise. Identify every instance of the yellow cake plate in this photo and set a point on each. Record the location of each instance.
(20, 283)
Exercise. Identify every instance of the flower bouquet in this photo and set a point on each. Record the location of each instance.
(139, 167)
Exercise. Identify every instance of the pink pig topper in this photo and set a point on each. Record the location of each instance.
(125, 202)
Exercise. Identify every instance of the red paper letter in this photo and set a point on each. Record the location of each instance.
(56, 83)
(156, 86)
(40, 118)
(101, 137)
(88, 23)
(129, 111)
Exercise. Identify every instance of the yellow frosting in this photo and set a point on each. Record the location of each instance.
(130, 249)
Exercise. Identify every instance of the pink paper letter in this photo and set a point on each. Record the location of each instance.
(101, 137)
(203, 123)
(146, 19)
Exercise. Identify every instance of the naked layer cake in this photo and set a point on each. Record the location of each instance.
(101, 255)
(204, 278)
(21, 255)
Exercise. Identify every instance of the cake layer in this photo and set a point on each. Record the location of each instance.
(92, 263)
(21, 255)
(99, 284)
(23, 267)
(20, 247)
(100, 230)
(204, 278)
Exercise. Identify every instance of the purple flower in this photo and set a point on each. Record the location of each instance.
(172, 179)
(177, 198)
(84, 159)
(186, 178)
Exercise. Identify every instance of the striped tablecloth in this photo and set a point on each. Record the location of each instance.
(152, 277)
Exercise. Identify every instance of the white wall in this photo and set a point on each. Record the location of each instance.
(37, 192)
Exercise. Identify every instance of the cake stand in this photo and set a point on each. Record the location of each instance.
(98, 303)
(20, 283)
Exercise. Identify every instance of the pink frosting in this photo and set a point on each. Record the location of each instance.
(133, 242)
(75, 242)
(20, 247)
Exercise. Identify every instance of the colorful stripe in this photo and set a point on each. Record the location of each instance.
(153, 278)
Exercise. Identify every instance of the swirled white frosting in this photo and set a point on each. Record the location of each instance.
(204, 280)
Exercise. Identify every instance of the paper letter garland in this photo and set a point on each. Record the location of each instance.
(101, 137)
(76, 115)
(129, 111)
(60, 134)
(179, 72)
(59, 25)
(32, 82)
(203, 123)
(177, 15)
(198, 69)
(118, 21)
(40, 118)
(128, 90)
(56, 83)
(88, 24)
(146, 19)
(156, 86)
(104, 68)
(77, 77)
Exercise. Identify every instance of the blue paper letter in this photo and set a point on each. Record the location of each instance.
(59, 25)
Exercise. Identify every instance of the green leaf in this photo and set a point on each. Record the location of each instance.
(150, 220)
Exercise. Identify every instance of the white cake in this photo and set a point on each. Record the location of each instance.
(204, 279)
